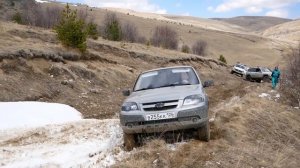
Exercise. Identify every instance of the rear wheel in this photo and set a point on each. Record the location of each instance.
(204, 133)
(129, 141)
(258, 80)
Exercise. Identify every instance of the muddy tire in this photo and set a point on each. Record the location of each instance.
(248, 77)
(258, 80)
(129, 141)
(266, 79)
(203, 133)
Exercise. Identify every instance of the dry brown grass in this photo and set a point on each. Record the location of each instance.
(156, 154)
(248, 131)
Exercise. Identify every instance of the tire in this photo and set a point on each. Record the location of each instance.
(266, 78)
(203, 133)
(248, 77)
(258, 80)
(129, 141)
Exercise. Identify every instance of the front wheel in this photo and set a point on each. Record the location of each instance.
(248, 77)
(129, 141)
(204, 132)
(266, 79)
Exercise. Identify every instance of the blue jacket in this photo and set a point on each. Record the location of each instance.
(276, 74)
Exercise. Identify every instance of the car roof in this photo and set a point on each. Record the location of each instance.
(172, 67)
(241, 64)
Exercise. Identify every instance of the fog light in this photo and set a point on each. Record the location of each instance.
(195, 119)
(129, 125)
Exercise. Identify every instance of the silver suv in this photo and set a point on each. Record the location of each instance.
(258, 74)
(165, 99)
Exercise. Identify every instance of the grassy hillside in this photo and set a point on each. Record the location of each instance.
(254, 23)
(289, 31)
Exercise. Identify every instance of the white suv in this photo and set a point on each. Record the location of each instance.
(240, 69)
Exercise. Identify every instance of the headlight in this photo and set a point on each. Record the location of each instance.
(192, 100)
(130, 106)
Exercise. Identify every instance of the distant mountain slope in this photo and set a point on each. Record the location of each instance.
(183, 20)
(286, 31)
(254, 23)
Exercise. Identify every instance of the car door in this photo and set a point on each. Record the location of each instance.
(251, 72)
(258, 73)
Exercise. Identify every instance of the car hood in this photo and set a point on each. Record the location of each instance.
(267, 73)
(241, 69)
(164, 94)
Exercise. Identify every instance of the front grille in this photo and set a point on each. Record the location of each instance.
(160, 106)
(160, 109)
(158, 121)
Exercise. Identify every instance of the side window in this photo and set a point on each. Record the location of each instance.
(258, 70)
(251, 70)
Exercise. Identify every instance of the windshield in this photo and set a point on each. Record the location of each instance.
(265, 70)
(242, 66)
(166, 78)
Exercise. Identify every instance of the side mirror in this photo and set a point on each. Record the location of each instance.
(126, 92)
(208, 83)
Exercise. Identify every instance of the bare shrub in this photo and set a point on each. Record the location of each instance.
(185, 49)
(111, 29)
(142, 40)
(83, 14)
(165, 37)
(199, 48)
(291, 79)
(38, 15)
(129, 32)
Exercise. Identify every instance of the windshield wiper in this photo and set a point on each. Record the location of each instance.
(143, 89)
(175, 84)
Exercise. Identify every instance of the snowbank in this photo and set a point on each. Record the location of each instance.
(85, 143)
(35, 114)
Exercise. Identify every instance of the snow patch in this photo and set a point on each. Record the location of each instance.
(264, 95)
(272, 95)
(41, 1)
(85, 143)
(35, 114)
(174, 146)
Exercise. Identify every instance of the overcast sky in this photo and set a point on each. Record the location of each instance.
(205, 8)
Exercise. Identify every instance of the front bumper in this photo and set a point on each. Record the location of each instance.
(186, 119)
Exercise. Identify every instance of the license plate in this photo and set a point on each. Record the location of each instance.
(160, 116)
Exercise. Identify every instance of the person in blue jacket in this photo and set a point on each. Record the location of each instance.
(275, 77)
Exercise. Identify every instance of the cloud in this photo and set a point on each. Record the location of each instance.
(141, 5)
(278, 13)
(255, 6)
(254, 9)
